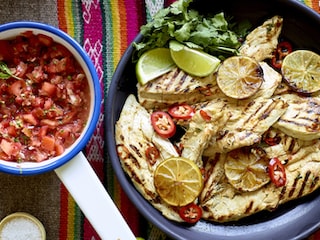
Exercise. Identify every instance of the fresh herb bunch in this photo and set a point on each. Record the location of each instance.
(215, 34)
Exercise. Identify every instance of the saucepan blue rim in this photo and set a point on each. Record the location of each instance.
(97, 99)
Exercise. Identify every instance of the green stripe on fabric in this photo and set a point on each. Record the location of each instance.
(76, 9)
(107, 74)
(78, 26)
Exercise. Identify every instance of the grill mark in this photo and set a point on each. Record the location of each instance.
(291, 145)
(249, 208)
(132, 173)
(282, 193)
(305, 180)
(136, 150)
(293, 187)
(257, 109)
(314, 181)
(269, 109)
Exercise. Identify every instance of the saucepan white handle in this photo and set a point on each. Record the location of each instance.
(92, 198)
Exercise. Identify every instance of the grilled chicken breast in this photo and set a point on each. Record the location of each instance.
(223, 126)
(302, 118)
(176, 87)
(247, 124)
(134, 135)
(221, 202)
(262, 41)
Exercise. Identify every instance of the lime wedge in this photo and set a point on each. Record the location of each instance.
(153, 64)
(193, 61)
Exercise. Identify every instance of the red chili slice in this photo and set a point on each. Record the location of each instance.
(190, 213)
(283, 49)
(152, 153)
(205, 115)
(277, 172)
(272, 141)
(181, 111)
(163, 124)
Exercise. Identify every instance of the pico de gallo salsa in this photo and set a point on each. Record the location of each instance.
(44, 98)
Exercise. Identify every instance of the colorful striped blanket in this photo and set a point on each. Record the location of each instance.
(104, 29)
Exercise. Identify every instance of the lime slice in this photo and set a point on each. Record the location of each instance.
(193, 61)
(178, 181)
(153, 64)
(301, 70)
(239, 77)
(246, 171)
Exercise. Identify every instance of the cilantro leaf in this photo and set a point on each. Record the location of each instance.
(216, 34)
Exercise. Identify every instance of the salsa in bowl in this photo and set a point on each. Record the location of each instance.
(50, 98)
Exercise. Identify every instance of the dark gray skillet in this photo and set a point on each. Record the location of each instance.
(295, 220)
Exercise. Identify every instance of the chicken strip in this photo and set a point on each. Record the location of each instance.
(263, 40)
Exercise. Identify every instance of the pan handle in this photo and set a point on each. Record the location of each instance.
(85, 187)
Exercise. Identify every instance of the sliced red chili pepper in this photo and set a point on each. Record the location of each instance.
(190, 213)
(283, 49)
(163, 124)
(277, 172)
(152, 153)
(181, 111)
(272, 141)
(205, 115)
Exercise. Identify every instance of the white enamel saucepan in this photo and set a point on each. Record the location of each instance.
(72, 166)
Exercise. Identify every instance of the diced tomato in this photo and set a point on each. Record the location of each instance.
(45, 123)
(45, 40)
(27, 34)
(37, 75)
(58, 51)
(43, 130)
(10, 148)
(59, 148)
(17, 87)
(48, 103)
(163, 124)
(12, 131)
(30, 118)
(181, 111)
(50, 123)
(48, 89)
(21, 69)
(57, 66)
(190, 213)
(48, 143)
(6, 52)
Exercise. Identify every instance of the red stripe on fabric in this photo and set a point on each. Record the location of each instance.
(123, 24)
(63, 212)
(168, 2)
(316, 5)
(131, 214)
(61, 16)
(135, 18)
(63, 231)
(92, 35)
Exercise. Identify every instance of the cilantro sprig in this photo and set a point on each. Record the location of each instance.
(214, 34)
(5, 72)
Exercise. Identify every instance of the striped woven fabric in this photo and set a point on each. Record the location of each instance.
(105, 29)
